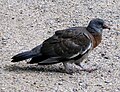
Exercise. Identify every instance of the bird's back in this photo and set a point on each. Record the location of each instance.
(67, 42)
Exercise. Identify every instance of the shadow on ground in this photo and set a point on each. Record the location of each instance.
(33, 68)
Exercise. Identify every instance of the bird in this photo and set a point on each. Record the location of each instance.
(66, 46)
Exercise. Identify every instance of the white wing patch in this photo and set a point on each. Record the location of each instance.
(90, 45)
(88, 48)
(75, 55)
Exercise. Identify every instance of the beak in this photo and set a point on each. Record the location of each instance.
(106, 27)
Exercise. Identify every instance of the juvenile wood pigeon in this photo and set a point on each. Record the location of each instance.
(67, 46)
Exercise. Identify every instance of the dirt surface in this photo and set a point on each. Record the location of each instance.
(27, 23)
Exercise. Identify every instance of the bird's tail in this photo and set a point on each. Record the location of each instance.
(23, 56)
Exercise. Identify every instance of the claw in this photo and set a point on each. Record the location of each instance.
(69, 72)
(89, 70)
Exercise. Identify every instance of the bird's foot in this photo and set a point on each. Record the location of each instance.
(68, 68)
(69, 71)
(89, 69)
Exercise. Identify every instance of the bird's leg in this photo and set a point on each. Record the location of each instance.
(68, 68)
(78, 63)
(87, 69)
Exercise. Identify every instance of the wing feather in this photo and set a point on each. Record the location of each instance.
(67, 43)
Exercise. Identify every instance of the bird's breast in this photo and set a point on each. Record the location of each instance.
(97, 40)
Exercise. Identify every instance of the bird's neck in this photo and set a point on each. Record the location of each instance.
(97, 35)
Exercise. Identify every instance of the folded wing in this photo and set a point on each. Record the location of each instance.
(67, 44)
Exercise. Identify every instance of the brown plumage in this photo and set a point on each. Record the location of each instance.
(66, 45)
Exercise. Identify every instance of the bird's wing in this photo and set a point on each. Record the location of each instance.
(67, 44)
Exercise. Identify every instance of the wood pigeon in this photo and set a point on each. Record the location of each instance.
(67, 46)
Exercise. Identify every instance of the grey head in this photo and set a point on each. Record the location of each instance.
(97, 25)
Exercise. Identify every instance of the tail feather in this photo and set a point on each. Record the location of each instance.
(52, 60)
(37, 59)
(44, 60)
(23, 56)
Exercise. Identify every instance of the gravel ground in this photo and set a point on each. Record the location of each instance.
(26, 23)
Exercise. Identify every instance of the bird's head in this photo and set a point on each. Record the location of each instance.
(98, 25)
